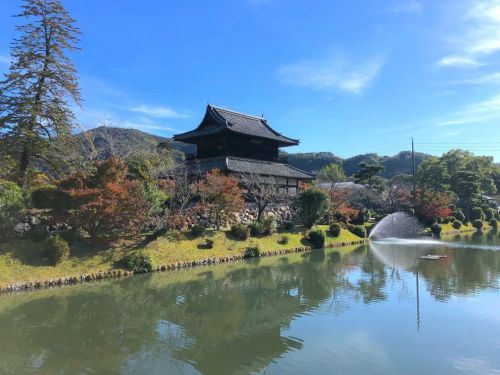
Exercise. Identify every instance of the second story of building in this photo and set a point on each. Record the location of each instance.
(223, 132)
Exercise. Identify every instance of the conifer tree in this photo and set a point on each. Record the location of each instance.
(37, 92)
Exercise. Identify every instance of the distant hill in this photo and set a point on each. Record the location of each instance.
(119, 141)
(393, 165)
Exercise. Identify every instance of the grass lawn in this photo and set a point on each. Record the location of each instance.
(25, 260)
(446, 228)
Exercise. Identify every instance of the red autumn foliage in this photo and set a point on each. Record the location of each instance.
(340, 204)
(220, 197)
(104, 203)
(432, 205)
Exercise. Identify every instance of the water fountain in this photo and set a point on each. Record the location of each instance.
(397, 225)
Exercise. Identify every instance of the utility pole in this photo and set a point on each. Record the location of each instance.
(413, 167)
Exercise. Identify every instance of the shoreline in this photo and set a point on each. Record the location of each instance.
(83, 279)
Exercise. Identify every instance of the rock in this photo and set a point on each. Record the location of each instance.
(20, 229)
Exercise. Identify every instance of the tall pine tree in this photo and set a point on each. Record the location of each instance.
(36, 94)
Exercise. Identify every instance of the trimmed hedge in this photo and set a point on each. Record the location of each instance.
(252, 251)
(335, 229)
(256, 228)
(478, 224)
(476, 214)
(457, 224)
(58, 249)
(494, 223)
(240, 232)
(436, 229)
(358, 230)
(197, 230)
(283, 240)
(139, 262)
(317, 237)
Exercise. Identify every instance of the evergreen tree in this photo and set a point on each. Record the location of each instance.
(35, 97)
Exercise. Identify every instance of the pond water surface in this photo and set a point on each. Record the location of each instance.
(376, 309)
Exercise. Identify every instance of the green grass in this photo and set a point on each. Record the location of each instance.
(447, 228)
(25, 260)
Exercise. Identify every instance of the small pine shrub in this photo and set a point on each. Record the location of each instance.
(39, 233)
(476, 214)
(58, 249)
(288, 226)
(240, 232)
(358, 230)
(197, 230)
(139, 262)
(256, 228)
(457, 224)
(478, 224)
(494, 223)
(252, 251)
(335, 229)
(269, 225)
(316, 237)
(283, 240)
(490, 213)
(436, 229)
(459, 215)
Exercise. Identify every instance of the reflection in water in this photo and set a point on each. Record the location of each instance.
(247, 317)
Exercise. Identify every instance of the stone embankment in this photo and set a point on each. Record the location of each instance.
(85, 278)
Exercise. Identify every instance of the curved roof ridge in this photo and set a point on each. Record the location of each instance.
(236, 112)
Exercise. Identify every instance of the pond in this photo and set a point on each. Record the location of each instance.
(376, 309)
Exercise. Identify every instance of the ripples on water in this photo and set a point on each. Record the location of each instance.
(377, 310)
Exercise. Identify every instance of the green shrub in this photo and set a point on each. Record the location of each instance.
(58, 249)
(476, 214)
(457, 224)
(490, 213)
(139, 262)
(11, 203)
(358, 230)
(252, 251)
(335, 229)
(314, 205)
(436, 229)
(288, 226)
(209, 244)
(197, 230)
(478, 224)
(269, 225)
(39, 233)
(494, 223)
(283, 240)
(459, 215)
(316, 237)
(155, 199)
(256, 228)
(240, 232)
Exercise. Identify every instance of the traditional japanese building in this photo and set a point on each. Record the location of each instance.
(239, 144)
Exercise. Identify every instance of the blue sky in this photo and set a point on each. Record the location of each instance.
(342, 76)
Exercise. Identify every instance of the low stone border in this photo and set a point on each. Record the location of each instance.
(459, 231)
(113, 274)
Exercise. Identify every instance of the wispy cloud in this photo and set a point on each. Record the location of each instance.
(458, 61)
(158, 111)
(478, 34)
(409, 6)
(474, 366)
(481, 112)
(336, 72)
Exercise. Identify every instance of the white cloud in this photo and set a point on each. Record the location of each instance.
(478, 33)
(336, 72)
(158, 111)
(410, 6)
(474, 366)
(481, 112)
(458, 61)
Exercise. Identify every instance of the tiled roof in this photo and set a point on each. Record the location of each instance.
(248, 166)
(219, 119)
